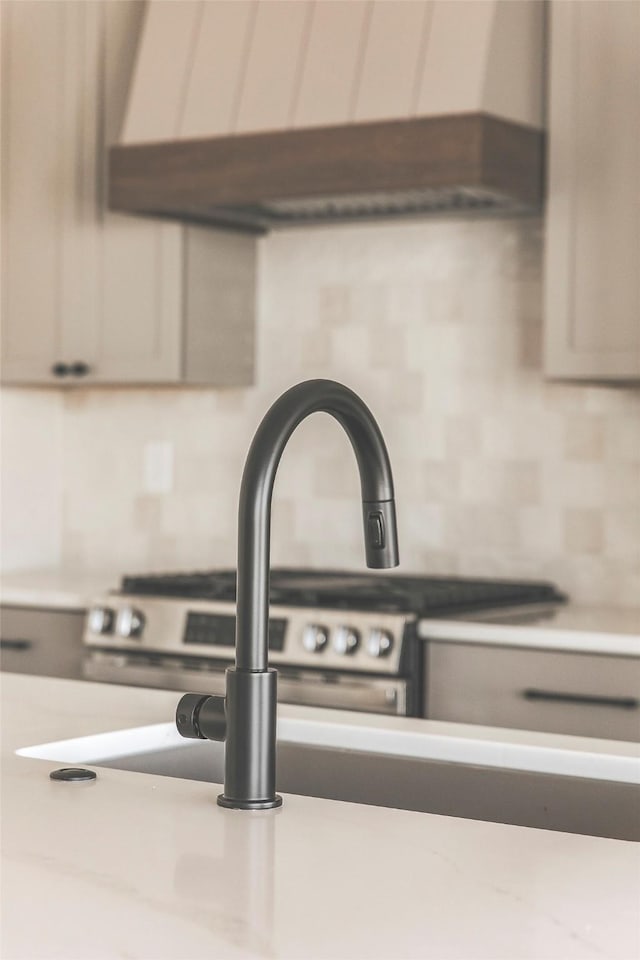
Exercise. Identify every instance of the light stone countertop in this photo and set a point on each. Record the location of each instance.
(56, 589)
(582, 629)
(149, 867)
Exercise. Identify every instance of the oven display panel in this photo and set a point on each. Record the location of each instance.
(217, 630)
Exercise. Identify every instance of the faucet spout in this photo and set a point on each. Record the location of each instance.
(247, 717)
(254, 522)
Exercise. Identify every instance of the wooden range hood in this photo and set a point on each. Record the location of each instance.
(398, 167)
(425, 109)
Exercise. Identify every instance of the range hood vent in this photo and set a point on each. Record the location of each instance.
(436, 108)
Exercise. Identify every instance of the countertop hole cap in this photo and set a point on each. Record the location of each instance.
(73, 774)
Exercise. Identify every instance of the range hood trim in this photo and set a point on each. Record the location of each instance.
(225, 180)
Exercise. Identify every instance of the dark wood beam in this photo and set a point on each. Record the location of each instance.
(242, 178)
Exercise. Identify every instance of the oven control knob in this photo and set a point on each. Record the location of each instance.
(130, 622)
(100, 620)
(314, 638)
(345, 640)
(379, 643)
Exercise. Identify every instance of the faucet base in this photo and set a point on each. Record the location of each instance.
(231, 804)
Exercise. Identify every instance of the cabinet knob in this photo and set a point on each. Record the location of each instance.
(79, 368)
(60, 370)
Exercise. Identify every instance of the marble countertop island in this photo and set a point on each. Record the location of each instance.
(134, 865)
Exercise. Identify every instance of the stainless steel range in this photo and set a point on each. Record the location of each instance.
(337, 639)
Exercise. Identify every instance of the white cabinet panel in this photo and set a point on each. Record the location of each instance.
(486, 56)
(211, 67)
(392, 60)
(273, 66)
(215, 81)
(219, 306)
(80, 144)
(518, 37)
(607, 168)
(139, 321)
(81, 284)
(166, 53)
(454, 83)
(329, 75)
(592, 269)
(137, 324)
(32, 108)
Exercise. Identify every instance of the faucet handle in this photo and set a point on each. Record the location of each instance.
(200, 717)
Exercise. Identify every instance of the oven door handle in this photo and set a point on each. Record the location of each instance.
(589, 699)
(371, 695)
(387, 695)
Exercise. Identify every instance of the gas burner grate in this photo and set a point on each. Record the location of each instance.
(422, 596)
(199, 585)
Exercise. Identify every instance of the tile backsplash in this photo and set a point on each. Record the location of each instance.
(437, 324)
(30, 478)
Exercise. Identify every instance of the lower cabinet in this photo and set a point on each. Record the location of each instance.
(557, 692)
(43, 642)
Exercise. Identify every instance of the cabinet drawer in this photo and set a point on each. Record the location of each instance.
(43, 642)
(582, 694)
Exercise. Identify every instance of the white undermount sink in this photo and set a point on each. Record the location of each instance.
(501, 776)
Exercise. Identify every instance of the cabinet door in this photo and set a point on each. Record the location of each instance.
(136, 325)
(47, 643)
(81, 285)
(556, 692)
(32, 201)
(592, 283)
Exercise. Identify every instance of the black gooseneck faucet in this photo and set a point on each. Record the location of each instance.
(246, 717)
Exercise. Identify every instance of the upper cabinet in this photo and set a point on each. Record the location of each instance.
(592, 268)
(90, 296)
